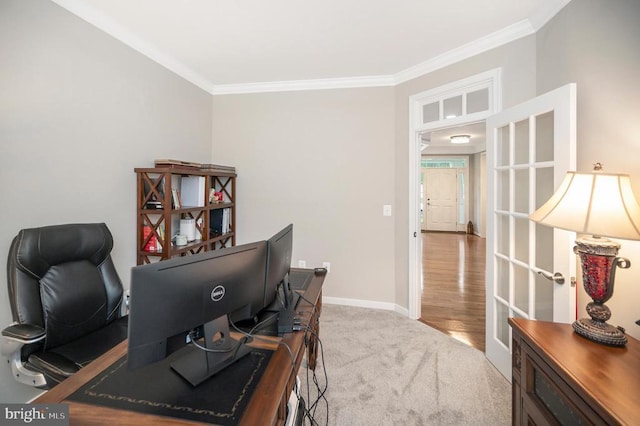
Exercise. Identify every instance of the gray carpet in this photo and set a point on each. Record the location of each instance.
(385, 369)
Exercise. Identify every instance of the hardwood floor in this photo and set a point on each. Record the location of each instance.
(453, 296)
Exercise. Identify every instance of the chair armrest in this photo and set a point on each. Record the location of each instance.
(14, 337)
(24, 333)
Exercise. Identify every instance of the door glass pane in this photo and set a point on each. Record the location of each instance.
(461, 197)
(521, 288)
(502, 197)
(422, 173)
(544, 137)
(431, 112)
(502, 146)
(502, 327)
(521, 239)
(544, 247)
(478, 101)
(544, 260)
(502, 275)
(544, 299)
(521, 190)
(452, 107)
(521, 145)
(544, 185)
(502, 230)
(443, 163)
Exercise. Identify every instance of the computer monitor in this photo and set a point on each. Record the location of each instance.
(278, 262)
(184, 299)
(277, 280)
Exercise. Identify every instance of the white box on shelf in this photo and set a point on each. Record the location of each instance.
(188, 228)
(192, 191)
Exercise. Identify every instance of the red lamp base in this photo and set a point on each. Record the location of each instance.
(598, 260)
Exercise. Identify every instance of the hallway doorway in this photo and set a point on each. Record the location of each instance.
(453, 105)
(453, 295)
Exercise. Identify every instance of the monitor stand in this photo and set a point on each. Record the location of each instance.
(288, 312)
(197, 365)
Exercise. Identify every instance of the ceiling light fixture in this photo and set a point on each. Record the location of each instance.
(460, 139)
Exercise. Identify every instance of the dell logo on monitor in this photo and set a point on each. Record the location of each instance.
(217, 293)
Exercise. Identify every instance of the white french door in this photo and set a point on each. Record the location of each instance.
(440, 199)
(530, 147)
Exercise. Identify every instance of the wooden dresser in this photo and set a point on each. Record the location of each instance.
(560, 377)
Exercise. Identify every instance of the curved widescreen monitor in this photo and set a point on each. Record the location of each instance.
(191, 298)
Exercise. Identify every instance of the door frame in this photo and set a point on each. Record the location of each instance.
(492, 80)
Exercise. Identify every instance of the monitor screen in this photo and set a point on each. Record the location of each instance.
(182, 299)
(278, 262)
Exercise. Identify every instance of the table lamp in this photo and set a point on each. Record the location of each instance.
(603, 205)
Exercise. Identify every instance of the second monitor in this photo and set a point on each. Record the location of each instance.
(277, 282)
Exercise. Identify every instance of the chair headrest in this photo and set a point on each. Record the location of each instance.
(38, 249)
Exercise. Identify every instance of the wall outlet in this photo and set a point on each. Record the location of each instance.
(327, 266)
(386, 210)
(302, 263)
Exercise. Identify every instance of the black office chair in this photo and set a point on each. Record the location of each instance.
(66, 301)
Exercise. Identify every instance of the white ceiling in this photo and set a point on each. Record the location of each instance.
(439, 141)
(233, 46)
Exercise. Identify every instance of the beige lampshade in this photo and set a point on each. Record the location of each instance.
(600, 204)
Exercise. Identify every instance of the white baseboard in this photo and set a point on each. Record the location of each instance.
(366, 304)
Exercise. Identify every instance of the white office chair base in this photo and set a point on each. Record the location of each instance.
(11, 349)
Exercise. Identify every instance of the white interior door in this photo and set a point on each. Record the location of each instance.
(530, 147)
(441, 200)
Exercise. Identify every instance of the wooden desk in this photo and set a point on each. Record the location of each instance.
(560, 377)
(268, 404)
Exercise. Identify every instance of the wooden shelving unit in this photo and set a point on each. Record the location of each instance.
(158, 217)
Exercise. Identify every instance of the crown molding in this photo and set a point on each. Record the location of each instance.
(109, 26)
(295, 85)
(483, 44)
(491, 41)
(543, 14)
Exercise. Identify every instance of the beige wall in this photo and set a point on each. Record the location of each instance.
(517, 61)
(78, 111)
(595, 44)
(361, 136)
(322, 160)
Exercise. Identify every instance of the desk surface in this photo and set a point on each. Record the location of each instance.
(272, 391)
